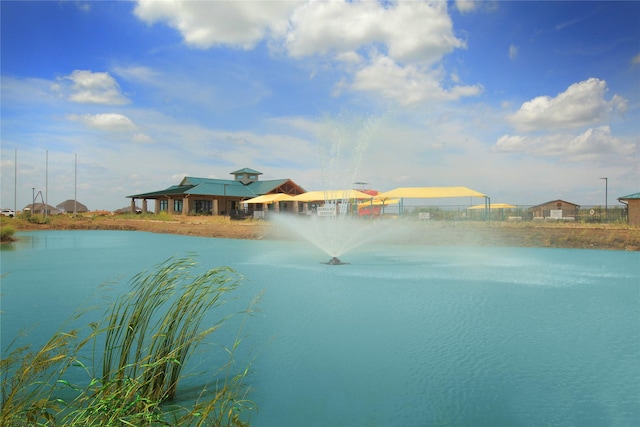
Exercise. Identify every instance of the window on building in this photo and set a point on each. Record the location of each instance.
(177, 205)
(203, 206)
(164, 205)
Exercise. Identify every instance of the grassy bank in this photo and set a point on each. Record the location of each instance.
(526, 234)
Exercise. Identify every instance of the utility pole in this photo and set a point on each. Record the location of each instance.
(46, 186)
(606, 198)
(75, 188)
(15, 183)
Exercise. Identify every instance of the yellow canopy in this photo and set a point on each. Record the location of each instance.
(494, 206)
(314, 196)
(377, 202)
(270, 198)
(429, 193)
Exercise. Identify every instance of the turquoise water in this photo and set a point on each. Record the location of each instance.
(404, 335)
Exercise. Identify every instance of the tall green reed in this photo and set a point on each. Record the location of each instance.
(148, 336)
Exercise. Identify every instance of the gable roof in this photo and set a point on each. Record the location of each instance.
(224, 187)
(40, 207)
(70, 205)
(275, 186)
(630, 197)
(174, 189)
(246, 170)
(553, 201)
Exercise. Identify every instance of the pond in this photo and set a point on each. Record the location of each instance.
(403, 335)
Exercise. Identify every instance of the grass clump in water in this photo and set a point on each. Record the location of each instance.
(7, 233)
(146, 338)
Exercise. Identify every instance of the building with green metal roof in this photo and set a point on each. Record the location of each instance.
(211, 196)
(633, 208)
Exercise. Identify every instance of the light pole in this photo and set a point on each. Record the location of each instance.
(606, 198)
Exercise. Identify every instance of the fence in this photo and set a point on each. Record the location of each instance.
(586, 214)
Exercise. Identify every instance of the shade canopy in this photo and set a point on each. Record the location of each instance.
(494, 206)
(271, 198)
(377, 202)
(429, 193)
(315, 196)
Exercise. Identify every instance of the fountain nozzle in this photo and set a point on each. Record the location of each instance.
(335, 261)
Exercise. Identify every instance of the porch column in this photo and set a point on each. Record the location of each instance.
(276, 207)
(133, 205)
(144, 206)
(215, 210)
(157, 209)
(170, 205)
(185, 206)
(296, 208)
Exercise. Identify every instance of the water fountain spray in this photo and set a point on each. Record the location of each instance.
(334, 230)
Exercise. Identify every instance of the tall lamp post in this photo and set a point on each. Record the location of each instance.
(606, 198)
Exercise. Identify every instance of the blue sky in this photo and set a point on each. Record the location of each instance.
(523, 101)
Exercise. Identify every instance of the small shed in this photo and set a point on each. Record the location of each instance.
(633, 208)
(555, 209)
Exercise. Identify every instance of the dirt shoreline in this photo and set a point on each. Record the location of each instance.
(515, 234)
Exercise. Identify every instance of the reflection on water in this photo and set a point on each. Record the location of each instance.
(402, 336)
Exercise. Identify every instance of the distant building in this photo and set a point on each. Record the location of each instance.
(633, 208)
(555, 209)
(71, 206)
(214, 196)
(128, 209)
(39, 208)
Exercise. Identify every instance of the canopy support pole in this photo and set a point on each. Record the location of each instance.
(487, 207)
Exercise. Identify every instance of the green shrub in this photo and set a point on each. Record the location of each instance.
(38, 219)
(7, 233)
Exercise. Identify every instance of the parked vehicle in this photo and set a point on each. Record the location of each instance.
(8, 212)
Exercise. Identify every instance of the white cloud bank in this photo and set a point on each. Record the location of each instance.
(591, 144)
(546, 123)
(369, 41)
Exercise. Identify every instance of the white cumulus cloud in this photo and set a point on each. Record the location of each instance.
(407, 85)
(94, 88)
(204, 24)
(409, 31)
(110, 122)
(580, 105)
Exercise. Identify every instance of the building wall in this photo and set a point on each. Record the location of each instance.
(634, 211)
(544, 211)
